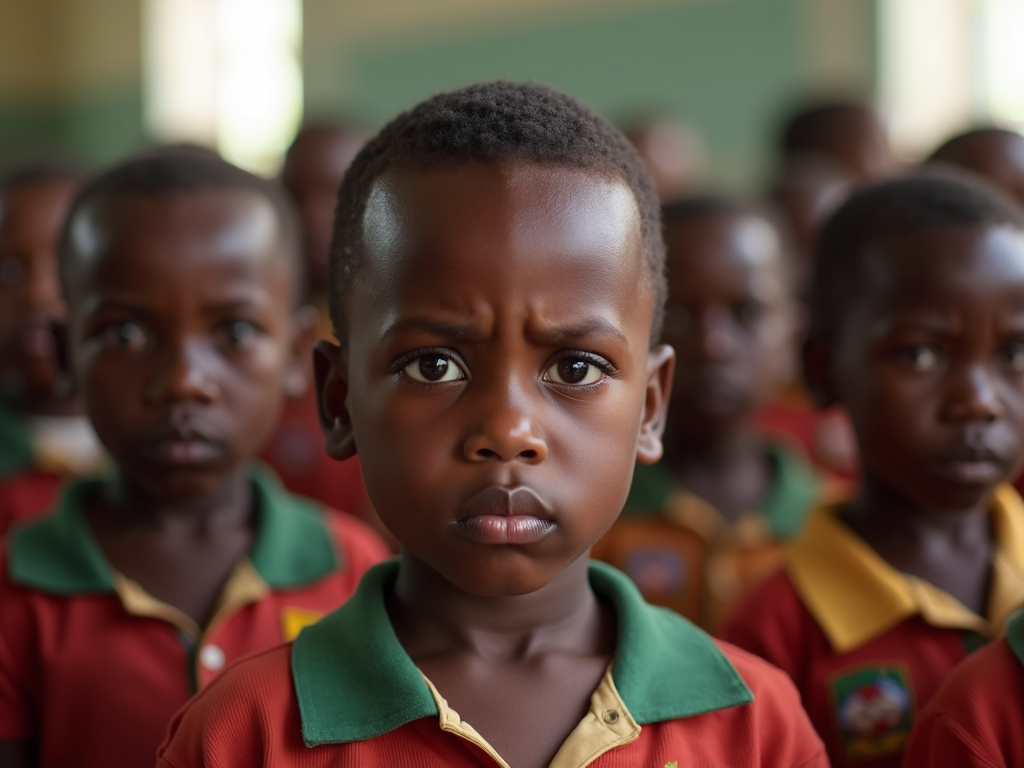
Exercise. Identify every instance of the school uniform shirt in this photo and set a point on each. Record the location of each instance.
(36, 455)
(92, 667)
(685, 555)
(867, 645)
(346, 695)
(976, 720)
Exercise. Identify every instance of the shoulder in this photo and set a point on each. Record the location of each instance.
(771, 686)
(248, 711)
(772, 602)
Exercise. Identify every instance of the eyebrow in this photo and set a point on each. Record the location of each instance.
(466, 332)
(588, 328)
(433, 327)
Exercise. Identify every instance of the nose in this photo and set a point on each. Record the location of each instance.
(505, 433)
(973, 396)
(185, 375)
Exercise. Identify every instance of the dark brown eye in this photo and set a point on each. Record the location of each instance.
(433, 369)
(573, 371)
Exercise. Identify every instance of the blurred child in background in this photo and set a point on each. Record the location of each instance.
(43, 436)
(706, 523)
(918, 329)
(313, 171)
(995, 154)
(673, 153)
(185, 329)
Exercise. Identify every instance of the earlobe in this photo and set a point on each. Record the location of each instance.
(817, 369)
(332, 393)
(661, 362)
(296, 381)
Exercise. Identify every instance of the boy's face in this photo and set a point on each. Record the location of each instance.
(730, 319)
(929, 362)
(182, 333)
(497, 375)
(31, 217)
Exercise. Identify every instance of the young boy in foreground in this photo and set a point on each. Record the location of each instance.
(181, 280)
(707, 522)
(497, 283)
(43, 435)
(918, 330)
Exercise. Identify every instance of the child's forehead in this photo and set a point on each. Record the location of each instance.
(725, 239)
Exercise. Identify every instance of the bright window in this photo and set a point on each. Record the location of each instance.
(225, 74)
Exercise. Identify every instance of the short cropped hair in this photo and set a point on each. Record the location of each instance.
(809, 128)
(490, 123)
(37, 172)
(181, 170)
(913, 203)
(950, 149)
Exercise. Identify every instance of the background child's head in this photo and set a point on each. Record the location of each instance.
(730, 315)
(313, 170)
(850, 134)
(993, 153)
(182, 278)
(33, 202)
(497, 276)
(673, 154)
(918, 330)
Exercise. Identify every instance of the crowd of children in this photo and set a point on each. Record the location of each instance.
(674, 478)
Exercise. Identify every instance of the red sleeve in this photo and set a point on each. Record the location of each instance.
(248, 716)
(976, 720)
(359, 545)
(19, 685)
(781, 730)
(26, 496)
(772, 622)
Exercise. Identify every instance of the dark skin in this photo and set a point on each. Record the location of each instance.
(929, 362)
(501, 369)
(313, 171)
(31, 217)
(996, 155)
(672, 153)
(732, 321)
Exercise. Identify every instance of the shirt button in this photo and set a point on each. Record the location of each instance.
(611, 716)
(212, 657)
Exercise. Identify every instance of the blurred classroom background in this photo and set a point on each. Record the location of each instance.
(90, 80)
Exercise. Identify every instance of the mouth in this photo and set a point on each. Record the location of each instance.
(971, 468)
(497, 516)
(184, 446)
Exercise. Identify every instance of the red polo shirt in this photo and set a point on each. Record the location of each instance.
(866, 645)
(976, 720)
(92, 667)
(346, 695)
(25, 495)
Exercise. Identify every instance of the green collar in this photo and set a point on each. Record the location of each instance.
(59, 554)
(791, 496)
(1015, 635)
(354, 681)
(15, 444)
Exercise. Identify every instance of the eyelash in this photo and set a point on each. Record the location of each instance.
(609, 370)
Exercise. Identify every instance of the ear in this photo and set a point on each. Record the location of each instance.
(661, 365)
(304, 333)
(331, 376)
(817, 368)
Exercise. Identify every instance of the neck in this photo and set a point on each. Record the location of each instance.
(127, 504)
(432, 616)
(886, 518)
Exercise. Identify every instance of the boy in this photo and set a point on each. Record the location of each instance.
(43, 436)
(496, 290)
(918, 330)
(181, 280)
(706, 523)
(673, 153)
(993, 153)
(974, 721)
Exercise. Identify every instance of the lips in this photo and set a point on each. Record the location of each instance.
(184, 446)
(503, 516)
(971, 467)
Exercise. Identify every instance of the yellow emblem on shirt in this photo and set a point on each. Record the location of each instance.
(293, 620)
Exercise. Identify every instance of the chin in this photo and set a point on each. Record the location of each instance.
(491, 579)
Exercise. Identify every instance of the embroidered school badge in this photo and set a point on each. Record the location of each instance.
(874, 709)
(658, 573)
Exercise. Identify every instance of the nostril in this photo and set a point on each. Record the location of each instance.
(486, 453)
(528, 454)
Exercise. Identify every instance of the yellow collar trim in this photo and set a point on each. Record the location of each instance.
(856, 596)
(607, 724)
(243, 586)
(687, 510)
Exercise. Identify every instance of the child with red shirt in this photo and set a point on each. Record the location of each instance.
(184, 332)
(497, 278)
(918, 330)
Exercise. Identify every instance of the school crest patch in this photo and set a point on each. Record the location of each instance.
(874, 709)
(658, 573)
